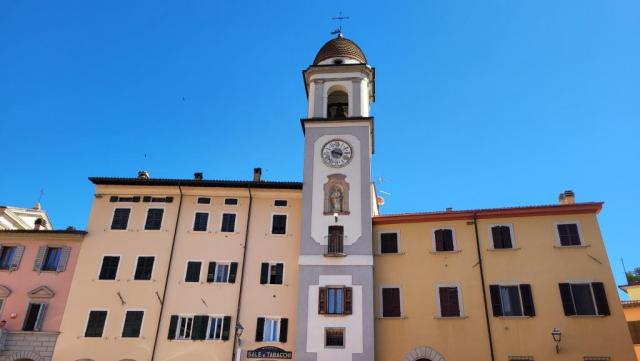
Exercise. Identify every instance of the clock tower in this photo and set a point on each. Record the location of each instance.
(335, 294)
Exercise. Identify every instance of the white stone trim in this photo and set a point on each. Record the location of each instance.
(424, 352)
(319, 260)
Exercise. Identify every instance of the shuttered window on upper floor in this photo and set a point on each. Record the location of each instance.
(120, 219)
(154, 219)
(512, 300)
(584, 299)
(569, 234)
(389, 242)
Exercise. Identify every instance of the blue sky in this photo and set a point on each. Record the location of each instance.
(479, 104)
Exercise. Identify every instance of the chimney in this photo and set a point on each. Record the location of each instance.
(38, 224)
(198, 176)
(567, 197)
(257, 174)
(143, 174)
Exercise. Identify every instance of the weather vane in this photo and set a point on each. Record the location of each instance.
(338, 31)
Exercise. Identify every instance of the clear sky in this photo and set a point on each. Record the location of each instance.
(479, 103)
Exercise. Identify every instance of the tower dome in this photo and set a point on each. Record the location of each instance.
(340, 50)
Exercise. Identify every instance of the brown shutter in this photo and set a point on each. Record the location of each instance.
(211, 272)
(233, 270)
(226, 327)
(284, 327)
(348, 300)
(173, 325)
(264, 274)
(391, 302)
(439, 241)
(601, 298)
(260, 329)
(567, 299)
(322, 300)
(527, 300)
(496, 235)
(496, 302)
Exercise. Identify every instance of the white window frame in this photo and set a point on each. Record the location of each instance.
(46, 253)
(557, 233)
(438, 302)
(286, 225)
(144, 315)
(113, 213)
(104, 328)
(203, 204)
(453, 234)
(224, 202)
(164, 210)
(382, 287)
(235, 222)
(272, 263)
(215, 273)
(117, 270)
(514, 244)
(593, 296)
(211, 317)
(280, 199)
(153, 269)
(186, 269)
(193, 223)
(517, 286)
(344, 338)
(277, 319)
(177, 334)
(3, 300)
(385, 231)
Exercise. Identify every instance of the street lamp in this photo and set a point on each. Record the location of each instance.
(557, 337)
(239, 330)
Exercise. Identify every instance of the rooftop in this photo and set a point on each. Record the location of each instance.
(340, 47)
(195, 183)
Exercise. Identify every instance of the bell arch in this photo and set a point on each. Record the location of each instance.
(337, 102)
(424, 353)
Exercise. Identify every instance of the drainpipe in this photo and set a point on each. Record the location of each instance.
(166, 282)
(244, 256)
(484, 290)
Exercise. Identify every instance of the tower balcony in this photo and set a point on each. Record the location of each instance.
(335, 245)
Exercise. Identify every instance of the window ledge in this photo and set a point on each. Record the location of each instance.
(446, 252)
(392, 318)
(389, 254)
(578, 246)
(586, 316)
(503, 249)
(513, 317)
(450, 317)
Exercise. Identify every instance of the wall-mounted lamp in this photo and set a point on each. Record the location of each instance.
(557, 337)
(239, 329)
(335, 216)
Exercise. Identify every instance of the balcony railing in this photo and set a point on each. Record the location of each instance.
(335, 245)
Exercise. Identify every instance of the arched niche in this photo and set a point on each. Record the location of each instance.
(424, 353)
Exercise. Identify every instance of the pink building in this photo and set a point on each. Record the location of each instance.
(36, 269)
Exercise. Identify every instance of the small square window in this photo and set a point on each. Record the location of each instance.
(154, 219)
(204, 200)
(569, 234)
(120, 218)
(280, 203)
(228, 222)
(230, 201)
(279, 224)
(389, 242)
(334, 337)
(95, 324)
(201, 221)
(132, 324)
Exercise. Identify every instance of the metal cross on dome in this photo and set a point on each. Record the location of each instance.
(338, 31)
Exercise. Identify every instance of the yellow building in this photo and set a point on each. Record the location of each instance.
(632, 307)
(189, 269)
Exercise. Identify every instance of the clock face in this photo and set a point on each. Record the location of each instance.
(336, 153)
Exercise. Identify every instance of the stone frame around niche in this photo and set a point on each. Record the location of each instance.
(336, 181)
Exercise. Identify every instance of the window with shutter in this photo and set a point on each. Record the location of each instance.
(120, 218)
(391, 306)
(569, 234)
(215, 328)
(279, 224)
(132, 324)
(389, 242)
(587, 299)
(334, 337)
(512, 300)
(201, 222)
(284, 329)
(144, 268)
(6, 257)
(154, 219)
(184, 327)
(33, 317)
(193, 271)
(228, 222)
(95, 323)
(335, 300)
(52, 259)
(501, 235)
(109, 269)
(222, 273)
(444, 240)
(449, 301)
